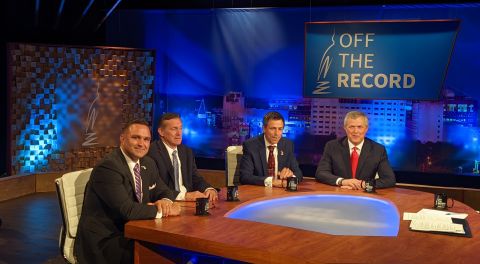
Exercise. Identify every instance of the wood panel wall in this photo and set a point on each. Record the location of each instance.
(16, 186)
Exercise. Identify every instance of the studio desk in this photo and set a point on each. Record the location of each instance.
(257, 242)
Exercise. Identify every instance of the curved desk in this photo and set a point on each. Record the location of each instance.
(266, 243)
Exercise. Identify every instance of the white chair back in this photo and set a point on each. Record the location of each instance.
(70, 192)
(232, 164)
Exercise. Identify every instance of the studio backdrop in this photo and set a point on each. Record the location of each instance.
(222, 69)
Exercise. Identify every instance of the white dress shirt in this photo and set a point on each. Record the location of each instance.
(183, 190)
(268, 181)
(350, 147)
(131, 164)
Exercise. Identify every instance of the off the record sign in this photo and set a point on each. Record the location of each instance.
(377, 59)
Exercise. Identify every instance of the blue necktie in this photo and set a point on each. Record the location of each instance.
(176, 172)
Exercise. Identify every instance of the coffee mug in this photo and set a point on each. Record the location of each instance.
(232, 193)
(201, 207)
(292, 184)
(370, 186)
(440, 201)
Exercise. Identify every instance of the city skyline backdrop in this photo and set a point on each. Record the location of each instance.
(426, 136)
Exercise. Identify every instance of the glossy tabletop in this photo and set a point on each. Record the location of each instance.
(260, 242)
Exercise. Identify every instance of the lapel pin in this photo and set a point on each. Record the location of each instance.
(143, 167)
(281, 152)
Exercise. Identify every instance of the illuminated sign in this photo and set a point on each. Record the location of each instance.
(377, 59)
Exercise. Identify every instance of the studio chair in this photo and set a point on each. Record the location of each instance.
(232, 165)
(70, 192)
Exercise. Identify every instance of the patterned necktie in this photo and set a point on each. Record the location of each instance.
(354, 161)
(271, 161)
(138, 182)
(175, 170)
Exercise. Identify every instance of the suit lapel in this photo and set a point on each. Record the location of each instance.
(182, 154)
(262, 152)
(145, 181)
(125, 170)
(166, 159)
(346, 157)
(281, 154)
(363, 157)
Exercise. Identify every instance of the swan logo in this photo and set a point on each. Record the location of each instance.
(90, 134)
(323, 84)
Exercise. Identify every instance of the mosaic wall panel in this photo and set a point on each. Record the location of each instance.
(68, 104)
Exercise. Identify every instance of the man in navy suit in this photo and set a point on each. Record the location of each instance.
(269, 159)
(349, 161)
(176, 162)
(124, 186)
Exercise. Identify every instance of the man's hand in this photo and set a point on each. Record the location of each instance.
(175, 210)
(167, 207)
(285, 173)
(279, 183)
(212, 197)
(192, 196)
(352, 184)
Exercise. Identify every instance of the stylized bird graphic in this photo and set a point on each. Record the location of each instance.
(323, 69)
(90, 135)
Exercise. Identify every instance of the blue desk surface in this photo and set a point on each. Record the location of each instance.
(326, 213)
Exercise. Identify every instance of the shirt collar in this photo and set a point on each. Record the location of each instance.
(359, 146)
(169, 149)
(130, 162)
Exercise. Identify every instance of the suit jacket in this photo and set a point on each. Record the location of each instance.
(253, 165)
(373, 159)
(109, 203)
(190, 177)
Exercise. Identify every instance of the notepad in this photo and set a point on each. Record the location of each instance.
(440, 222)
(427, 217)
(436, 226)
(445, 213)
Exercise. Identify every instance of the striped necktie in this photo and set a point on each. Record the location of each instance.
(176, 172)
(138, 182)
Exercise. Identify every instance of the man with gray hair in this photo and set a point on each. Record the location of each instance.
(351, 160)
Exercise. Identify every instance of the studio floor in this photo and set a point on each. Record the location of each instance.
(29, 231)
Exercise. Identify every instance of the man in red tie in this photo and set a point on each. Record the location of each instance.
(269, 159)
(349, 161)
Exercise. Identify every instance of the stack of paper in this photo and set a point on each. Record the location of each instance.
(435, 221)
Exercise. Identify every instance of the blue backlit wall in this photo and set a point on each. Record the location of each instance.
(222, 69)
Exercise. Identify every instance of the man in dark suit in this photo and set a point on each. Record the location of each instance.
(269, 159)
(176, 162)
(124, 186)
(350, 160)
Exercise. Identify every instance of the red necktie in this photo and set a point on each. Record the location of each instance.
(354, 161)
(271, 161)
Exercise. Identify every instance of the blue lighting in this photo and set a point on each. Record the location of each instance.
(330, 214)
(259, 53)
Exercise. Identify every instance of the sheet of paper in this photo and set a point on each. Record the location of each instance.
(418, 216)
(428, 225)
(438, 212)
